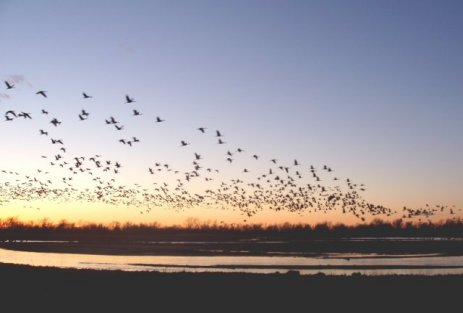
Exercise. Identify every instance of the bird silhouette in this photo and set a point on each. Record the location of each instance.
(55, 122)
(86, 96)
(10, 112)
(128, 99)
(9, 85)
(56, 141)
(43, 93)
(25, 115)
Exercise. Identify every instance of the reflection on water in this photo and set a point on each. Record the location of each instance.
(403, 239)
(256, 240)
(332, 264)
(40, 241)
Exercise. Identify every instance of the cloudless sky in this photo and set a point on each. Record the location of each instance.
(372, 88)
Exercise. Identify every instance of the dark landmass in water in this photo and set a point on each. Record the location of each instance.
(89, 290)
(378, 237)
(257, 248)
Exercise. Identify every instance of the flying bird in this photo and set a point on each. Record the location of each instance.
(56, 141)
(55, 122)
(9, 85)
(86, 96)
(42, 92)
(25, 115)
(128, 99)
(10, 112)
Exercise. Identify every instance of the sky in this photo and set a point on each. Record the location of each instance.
(373, 89)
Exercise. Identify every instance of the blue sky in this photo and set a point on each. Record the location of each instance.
(372, 88)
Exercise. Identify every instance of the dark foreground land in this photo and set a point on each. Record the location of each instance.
(87, 290)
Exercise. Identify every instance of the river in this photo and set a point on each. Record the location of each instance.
(329, 264)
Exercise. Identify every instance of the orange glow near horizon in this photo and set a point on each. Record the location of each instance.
(102, 213)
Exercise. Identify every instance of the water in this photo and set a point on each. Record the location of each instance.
(330, 264)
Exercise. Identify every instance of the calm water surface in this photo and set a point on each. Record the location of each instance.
(330, 264)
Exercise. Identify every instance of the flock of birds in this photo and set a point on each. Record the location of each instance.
(292, 187)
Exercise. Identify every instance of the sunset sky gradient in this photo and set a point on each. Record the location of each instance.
(374, 89)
